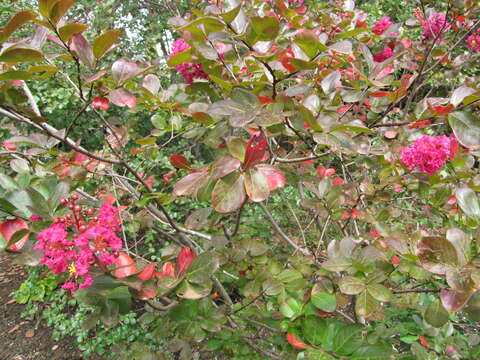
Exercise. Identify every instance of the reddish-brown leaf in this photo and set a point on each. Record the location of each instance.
(255, 151)
(185, 258)
(124, 266)
(9, 227)
(179, 161)
(275, 177)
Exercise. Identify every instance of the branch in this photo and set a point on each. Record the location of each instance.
(415, 291)
(280, 232)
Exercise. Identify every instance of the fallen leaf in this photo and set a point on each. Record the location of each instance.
(13, 329)
(29, 333)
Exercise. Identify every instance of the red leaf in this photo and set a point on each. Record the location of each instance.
(379, 94)
(101, 103)
(184, 260)
(423, 342)
(9, 227)
(443, 110)
(167, 270)
(453, 300)
(9, 146)
(123, 70)
(265, 100)
(179, 162)
(147, 272)
(292, 340)
(256, 151)
(124, 266)
(122, 97)
(147, 293)
(275, 177)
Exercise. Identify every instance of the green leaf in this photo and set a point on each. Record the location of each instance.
(372, 352)
(229, 16)
(16, 75)
(468, 202)
(290, 308)
(351, 285)
(365, 304)
(324, 301)
(266, 28)
(104, 42)
(435, 314)
(12, 55)
(380, 292)
(229, 193)
(67, 31)
(308, 41)
(45, 7)
(202, 268)
(465, 128)
(289, 275)
(15, 23)
(59, 9)
(347, 339)
(315, 330)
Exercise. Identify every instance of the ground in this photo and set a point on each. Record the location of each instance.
(21, 339)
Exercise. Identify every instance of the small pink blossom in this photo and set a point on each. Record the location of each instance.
(435, 26)
(382, 25)
(189, 70)
(34, 218)
(473, 42)
(383, 55)
(69, 285)
(429, 153)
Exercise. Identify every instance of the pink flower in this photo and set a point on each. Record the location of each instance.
(382, 25)
(70, 285)
(190, 70)
(34, 218)
(107, 258)
(473, 42)
(383, 55)
(429, 153)
(108, 217)
(435, 26)
(88, 280)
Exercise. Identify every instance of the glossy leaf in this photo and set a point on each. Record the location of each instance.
(190, 183)
(228, 194)
(83, 50)
(104, 42)
(324, 301)
(465, 128)
(255, 151)
(435, 314)
(16, 54)
(67, 31)
(351, 285)
(122, 97)
(256, 185)
(17, 20)
(468, 201)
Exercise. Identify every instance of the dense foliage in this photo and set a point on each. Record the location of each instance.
(308, 191)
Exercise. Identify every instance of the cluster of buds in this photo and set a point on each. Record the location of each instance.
(78, 217)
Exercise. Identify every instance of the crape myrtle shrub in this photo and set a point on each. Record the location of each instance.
(329, 210)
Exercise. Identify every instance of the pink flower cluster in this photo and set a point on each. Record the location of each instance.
(382, 25)
(473, 42)
(77, 254)
(383, 55)
(435, 26)
(429, 153)
(189, 70)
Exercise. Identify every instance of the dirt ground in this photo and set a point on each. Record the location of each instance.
(20, 339)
